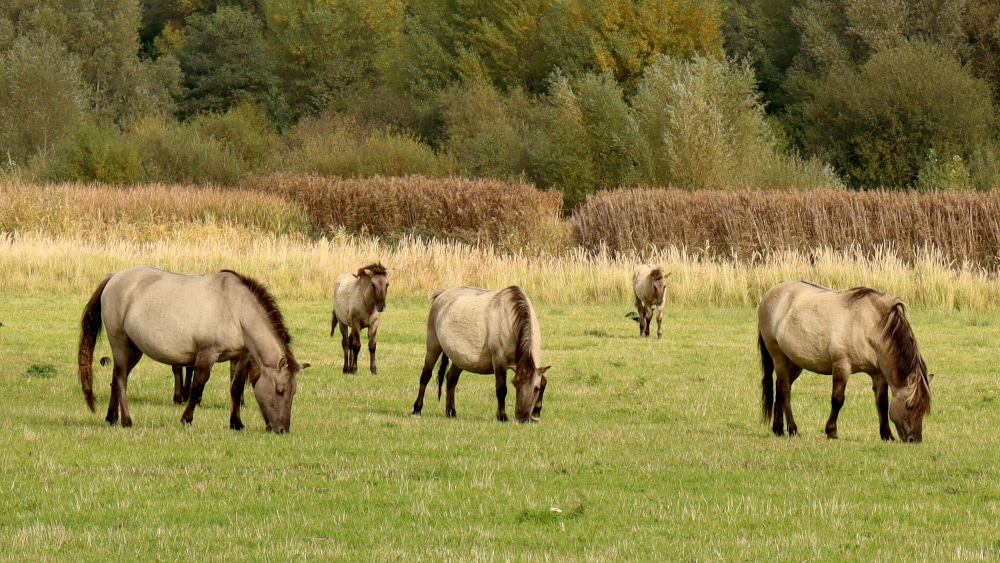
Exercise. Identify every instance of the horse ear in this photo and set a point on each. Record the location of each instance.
(912, 380)
(304, 366)
(282, 363)
(541, 371)
(668, 275)
(367, 271)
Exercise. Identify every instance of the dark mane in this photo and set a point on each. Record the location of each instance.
(903, 344)
(858, 293)
(376, 268)
(270, 307)
(520, 307)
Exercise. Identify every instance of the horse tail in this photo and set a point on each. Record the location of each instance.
(333, 323)
(90, 329)
(441, 370)
(767, 381)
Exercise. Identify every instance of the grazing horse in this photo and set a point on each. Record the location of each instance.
(486, 332)
(358, 300)
(184, 320)
(649, 285)
(806, 326)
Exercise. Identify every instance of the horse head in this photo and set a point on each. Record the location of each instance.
(529, 385)
(274, 391)
(659, 283)
(909, 405)
(379, 277)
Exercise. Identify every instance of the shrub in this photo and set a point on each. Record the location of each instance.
(879, 123)
(91, 153)
(480, 134)
(340, 146)
(246, 132)
(178, 153)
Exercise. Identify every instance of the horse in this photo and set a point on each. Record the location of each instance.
(649, 286)
(486, 332)
(358, 301)
(807, 326)
(198, 320)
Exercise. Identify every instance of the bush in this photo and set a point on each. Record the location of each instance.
(91, 153)
(480, 134)
(178, 153)
(879, 124)
(246, 132)
(340, 146)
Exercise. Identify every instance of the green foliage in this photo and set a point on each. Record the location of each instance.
(335, 146)
(225, 64)
(101, 36)
(44, 371)
(328, 53)
(176, 153)
(41, 95)
(244, 131)
(92, 153)
(483, 132)
(515, 44)
(878, 123)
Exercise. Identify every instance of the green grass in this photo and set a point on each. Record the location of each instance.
(647, 450)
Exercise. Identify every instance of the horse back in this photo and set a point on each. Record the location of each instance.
(471, 326)
(816, 327)
(171, 316)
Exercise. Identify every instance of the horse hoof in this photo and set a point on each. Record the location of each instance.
(126, 423)
(889, 438)
(792, 432)
(236, 426)
(502, 418)
(778, 431)
(178, 400)
(832, 436)
(186, 421)
(415, 414)
(450, 413)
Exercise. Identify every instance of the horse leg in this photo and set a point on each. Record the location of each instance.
(186, 390)
(881, 389)
(794, 372)
(178, 384)
(431, 358)
(122, 369)
(237, 384)
(355, 345)
(782, 393)
(202, 371)
(372, 332)
(500, 371)
(449, 405)
(841, 373)
(641, 314)
(659, 322)
(345, 343)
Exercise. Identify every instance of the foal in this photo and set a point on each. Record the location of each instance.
(649, 285)
(358, 300)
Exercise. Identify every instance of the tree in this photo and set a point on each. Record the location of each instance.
(41, 95)
(225, 64)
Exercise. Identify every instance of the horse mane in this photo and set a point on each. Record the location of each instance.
(376, 268)
(270, 306)
(656, 273)
(896, 330)
(520, 307)
(859, 293)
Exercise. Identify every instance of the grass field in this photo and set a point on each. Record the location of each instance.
(647, 450)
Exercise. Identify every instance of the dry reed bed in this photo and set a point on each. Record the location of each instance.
(504, 215)
(965, 227)
(298, 268)
(143, 212)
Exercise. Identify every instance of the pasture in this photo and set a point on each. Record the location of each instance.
(647, 450)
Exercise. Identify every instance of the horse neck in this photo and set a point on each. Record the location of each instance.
(367, 288)
(261, 337)
(895, 369)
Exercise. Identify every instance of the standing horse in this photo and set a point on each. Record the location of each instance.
(649, 286)
(358, 300)
(486, 332)
(183, 320)
(806, 326)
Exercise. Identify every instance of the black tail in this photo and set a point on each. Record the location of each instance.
(90, 329)
(441, 370)
(333, 323)
(767, 381)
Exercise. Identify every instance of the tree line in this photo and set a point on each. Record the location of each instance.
(574, 95)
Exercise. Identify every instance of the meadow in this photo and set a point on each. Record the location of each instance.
(647, 450)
